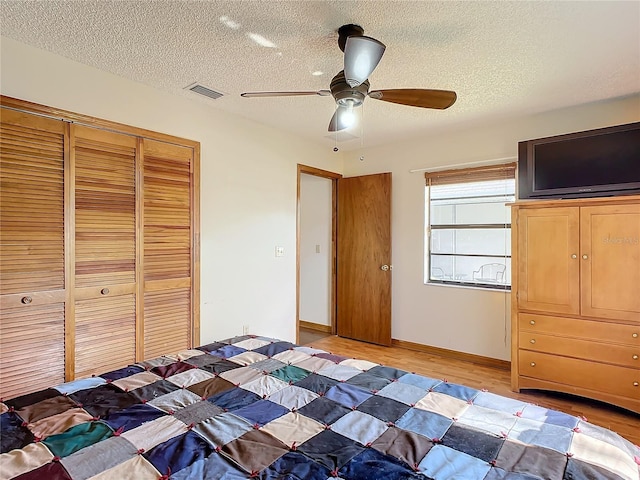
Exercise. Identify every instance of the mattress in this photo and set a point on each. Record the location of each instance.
(257, 407)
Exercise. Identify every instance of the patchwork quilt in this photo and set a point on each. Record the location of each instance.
(256, 407)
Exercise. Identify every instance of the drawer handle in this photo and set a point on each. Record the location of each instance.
(584, 257)
(532, 322)
(533, 364)
(635, 357)
(104, 291)
(635, 384)
(533, 340)
(574, 256)
(26, 300)
(634, 335)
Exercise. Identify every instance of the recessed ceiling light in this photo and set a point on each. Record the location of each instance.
(229, 23)
(260, 40)
(317, 73)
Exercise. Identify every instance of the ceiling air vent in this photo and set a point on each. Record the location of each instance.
(207, 92)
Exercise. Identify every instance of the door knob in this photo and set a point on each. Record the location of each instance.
(584, 257)
(384, 267)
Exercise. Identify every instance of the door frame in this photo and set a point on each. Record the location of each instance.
(308, 170)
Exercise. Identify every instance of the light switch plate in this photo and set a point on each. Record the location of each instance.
(279, 251)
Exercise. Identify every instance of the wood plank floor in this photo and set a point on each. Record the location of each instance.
(495, 380)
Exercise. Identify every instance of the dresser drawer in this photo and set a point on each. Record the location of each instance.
(600, 377)
(576, 328)
(578, 348)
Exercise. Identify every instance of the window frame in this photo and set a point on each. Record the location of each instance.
(462, 176)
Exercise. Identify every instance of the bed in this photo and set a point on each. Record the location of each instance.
(257, 407)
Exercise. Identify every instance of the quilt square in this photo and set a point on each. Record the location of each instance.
(272, 349)
(419, 381)
(137, 380)
(538, 462)
(30, 398)
(153, 391)
(293, 397)
(488, 420)
(77, 438)
(384, 409)
(13, 434)
(197, 413)
(202, 360)
(290, 373)
(186, 354)
(317, 383)
(362, 365)
(165, 371)
(428, 424)
(457, 391)
(339, 372)
(121, 373)
(210, 387)
(227, 351)
(252, 344)
(223, 428)
(331, 357)
(155, 362)
(473, 442)
(407, 446)
(101, 401)
(214, 467)
(45, 408)
(58, 423)
(308, 350)
(240, 376)
(497, 402)
(178, 453)
(190, 377)
(444, 463)
(247, 358)
(543, 434)
(99, 457)
(544, 415)
(209, 347)
(347, 395)
(324, 410)
(50, 471)
(385, 466)
(220, 366)
(387, 372)
(153, 433)
(578, 470)
(268, 365)
(261, 412)
(133, 416)
(264, 386)
(234, 399)
(255, 450)
(82, 384)
(175, 400)
(342, 449)
(294, 465)
(293, 429)
(403, 392)
(291, 357)
(20, 461)
(445, 405)
(137, 468)
(314, 364)
(597, 452)
(359, 426)
(369, 382)
(608, 436)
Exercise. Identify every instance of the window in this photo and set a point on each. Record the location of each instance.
(468, 235)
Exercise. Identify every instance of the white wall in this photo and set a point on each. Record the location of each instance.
(248, 183)
(464, 319)
(315, 249)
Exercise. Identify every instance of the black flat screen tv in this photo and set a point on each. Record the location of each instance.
(601, 162)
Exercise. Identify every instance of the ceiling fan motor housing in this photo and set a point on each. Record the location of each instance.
(346, 95)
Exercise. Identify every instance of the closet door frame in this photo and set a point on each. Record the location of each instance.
(69, 232)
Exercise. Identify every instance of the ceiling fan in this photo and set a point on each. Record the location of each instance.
(350, 86)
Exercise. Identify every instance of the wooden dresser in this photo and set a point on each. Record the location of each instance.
(576, 298)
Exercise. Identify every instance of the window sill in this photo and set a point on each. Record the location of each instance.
(469, 286)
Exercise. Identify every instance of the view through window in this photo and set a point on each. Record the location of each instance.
(468, 235)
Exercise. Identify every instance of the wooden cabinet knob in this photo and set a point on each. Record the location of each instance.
(574, 256)
(533, 364)
(635, 384)
(26, 300)
(533, 340)
(635, 357)
(532, 322)
(104, 291)
(634, 335)
(584, 257)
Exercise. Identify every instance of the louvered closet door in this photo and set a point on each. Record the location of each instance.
(104, 172)
(167, 247)
(32, 253)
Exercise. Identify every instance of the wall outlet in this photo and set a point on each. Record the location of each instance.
(245, 329)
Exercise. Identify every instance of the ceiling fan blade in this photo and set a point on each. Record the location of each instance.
(337, 122)
(417, 97)
(321, 93)
(361, 56)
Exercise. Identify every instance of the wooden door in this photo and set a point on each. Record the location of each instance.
(32, 253)
(364, 258)
(610, 260)
(168, 221)
(103, 168)
(548, 260)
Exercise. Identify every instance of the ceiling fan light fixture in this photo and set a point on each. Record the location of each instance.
(361, 56)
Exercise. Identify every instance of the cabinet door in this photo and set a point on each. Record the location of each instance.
(104, 174)
(548, 265)
(610, 259)
(168, 247)
(32, 253)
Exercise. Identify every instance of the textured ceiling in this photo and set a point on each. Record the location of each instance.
(504, 59)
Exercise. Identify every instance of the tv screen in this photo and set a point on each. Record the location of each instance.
(598, 162)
